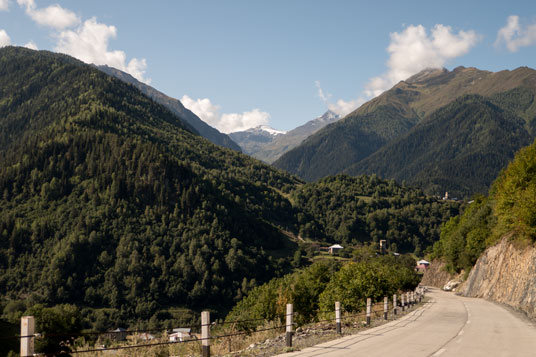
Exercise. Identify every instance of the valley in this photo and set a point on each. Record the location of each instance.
(130, 217)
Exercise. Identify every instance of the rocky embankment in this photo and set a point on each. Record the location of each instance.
(436, 275)
(507, 274)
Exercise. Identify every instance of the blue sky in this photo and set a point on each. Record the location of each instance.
(239, 64)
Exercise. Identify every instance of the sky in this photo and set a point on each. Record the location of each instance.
(238, 64)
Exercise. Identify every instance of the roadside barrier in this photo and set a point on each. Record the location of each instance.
(407, 300)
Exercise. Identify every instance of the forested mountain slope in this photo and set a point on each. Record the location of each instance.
(460, 148)
(404, 113)
(365, 208)
(108, 201)
(508, 211)
(339, 145)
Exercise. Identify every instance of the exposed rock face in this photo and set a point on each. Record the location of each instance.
(436, 275)
(506, 274)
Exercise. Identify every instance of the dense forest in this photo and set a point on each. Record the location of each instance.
(339, 145)
(108, 201)
(362, 209)
(460, 148)
(508, 211)
(111, 203)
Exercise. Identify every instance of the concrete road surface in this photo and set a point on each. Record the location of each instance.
(448, 325)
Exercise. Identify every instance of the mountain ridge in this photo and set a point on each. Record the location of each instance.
(388, 118)
(176, 107)
(270, 148)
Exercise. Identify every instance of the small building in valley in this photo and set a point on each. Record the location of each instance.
(119, 334)
(335, 248)
(422, 265)
(180, 335)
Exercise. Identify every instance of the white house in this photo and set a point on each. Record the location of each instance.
(180, 334)
(335, 248)
(422, 265)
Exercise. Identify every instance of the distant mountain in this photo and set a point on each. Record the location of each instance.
(460, 148)
(380, 136)
(253, 140)
(269, 145)
(176, 107)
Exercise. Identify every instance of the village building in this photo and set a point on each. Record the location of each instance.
(119, 334)
(180, 335)
(335, 248)
(422, 265)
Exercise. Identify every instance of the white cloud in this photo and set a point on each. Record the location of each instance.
(5, 40)
(4, 5)
(31, 45)
(325, 97)
(238, 122)
(341, 106)
(203, 108)
(89, 43)
(514, 36)
(53, 16)
(226, 123)
(413, 50)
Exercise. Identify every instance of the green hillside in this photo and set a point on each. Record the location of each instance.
(364, 209)
(509, 210)
(107, 200)
(422, 131)
(109, 203)
(345, 142)
(460, 148)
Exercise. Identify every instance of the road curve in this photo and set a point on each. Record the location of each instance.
(448, 325)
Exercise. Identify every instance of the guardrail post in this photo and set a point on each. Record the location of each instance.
(403, 303)
(394, 304)
(338, 316)
(369, 306)
(290, 314)
(385, 307)
(27, 328)
(408, 299)
(205, 333)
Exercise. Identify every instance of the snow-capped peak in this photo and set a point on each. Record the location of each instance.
(268, 129)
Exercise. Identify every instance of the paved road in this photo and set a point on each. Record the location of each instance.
(448, 325)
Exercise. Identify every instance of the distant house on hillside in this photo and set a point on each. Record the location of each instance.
(335, 248)
(119, 334)
(422, 265)
(180, 334)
